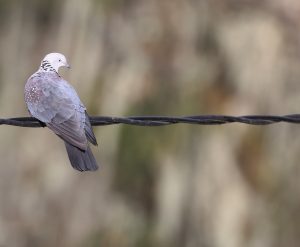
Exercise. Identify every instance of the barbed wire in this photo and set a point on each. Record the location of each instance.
(165, 120)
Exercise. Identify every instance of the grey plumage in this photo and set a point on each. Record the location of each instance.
(54, 102)
(81, 160)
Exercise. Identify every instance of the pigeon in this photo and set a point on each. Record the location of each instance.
(55, 103)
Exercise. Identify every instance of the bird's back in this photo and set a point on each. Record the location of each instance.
(47, 94)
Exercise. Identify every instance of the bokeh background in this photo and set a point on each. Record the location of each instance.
(210, 186)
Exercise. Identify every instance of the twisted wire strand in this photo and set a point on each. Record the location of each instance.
(165, 120)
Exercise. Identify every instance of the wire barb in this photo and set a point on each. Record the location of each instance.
(161, 120)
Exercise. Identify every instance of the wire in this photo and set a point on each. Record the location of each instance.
(161, 120)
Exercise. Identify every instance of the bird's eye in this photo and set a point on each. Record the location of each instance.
(59, 60)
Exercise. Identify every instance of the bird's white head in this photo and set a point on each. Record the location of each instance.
(53, 61)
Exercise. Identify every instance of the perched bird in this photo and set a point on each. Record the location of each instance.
(53, 101)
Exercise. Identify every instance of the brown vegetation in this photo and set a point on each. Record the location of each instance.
(232, 185)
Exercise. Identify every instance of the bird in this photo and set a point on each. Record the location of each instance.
(55, 103)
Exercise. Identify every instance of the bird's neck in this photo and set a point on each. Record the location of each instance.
(46, 67)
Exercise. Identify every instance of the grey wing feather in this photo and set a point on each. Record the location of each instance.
(71, 131)
(89, 130)
(59, 107)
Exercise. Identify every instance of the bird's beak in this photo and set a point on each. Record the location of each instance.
(68, 66)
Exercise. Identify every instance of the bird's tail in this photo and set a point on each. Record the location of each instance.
(81, 160)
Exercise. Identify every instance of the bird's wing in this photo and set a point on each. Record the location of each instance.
(89, 130)
(70, 130)
(59, 107)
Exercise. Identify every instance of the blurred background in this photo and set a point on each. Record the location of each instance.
(183, 185)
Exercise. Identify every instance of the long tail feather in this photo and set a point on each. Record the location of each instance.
(81, 160)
